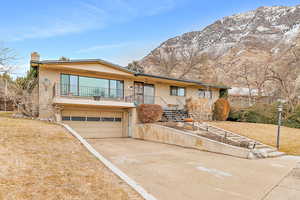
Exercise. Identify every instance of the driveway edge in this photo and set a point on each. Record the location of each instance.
(139, 189)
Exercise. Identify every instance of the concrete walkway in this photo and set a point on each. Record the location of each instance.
(174, 173)
(288, 188)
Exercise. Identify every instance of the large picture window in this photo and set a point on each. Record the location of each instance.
(72, 85)
(177, 91)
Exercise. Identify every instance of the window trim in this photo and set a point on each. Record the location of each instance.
(177, 89)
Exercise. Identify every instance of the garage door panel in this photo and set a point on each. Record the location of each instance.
(96, 129)
(107, 124)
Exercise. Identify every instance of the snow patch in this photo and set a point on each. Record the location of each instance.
(219, 49)
(292, 33)
(275, 50)
(240, 52)
(282, 27)
(262, 29)
(246, 15)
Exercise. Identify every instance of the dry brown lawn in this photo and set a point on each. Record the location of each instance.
(40, 160)
(266, 133)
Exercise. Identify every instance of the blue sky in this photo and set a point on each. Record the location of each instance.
(115, 30)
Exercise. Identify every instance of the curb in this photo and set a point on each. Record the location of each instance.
(138, 188)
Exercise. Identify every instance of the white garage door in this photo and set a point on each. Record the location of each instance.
(95, 124)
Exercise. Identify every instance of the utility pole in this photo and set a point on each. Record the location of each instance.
(280, 109)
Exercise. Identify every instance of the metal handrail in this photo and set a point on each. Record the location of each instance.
(209, 128)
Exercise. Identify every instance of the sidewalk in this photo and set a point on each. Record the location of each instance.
(288, 188)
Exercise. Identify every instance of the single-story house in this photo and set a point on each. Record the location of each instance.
(99, 99)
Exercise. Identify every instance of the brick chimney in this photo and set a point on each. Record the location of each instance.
(35, 56)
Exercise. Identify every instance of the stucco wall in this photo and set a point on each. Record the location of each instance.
(158, 133)
(163, 91)
(49, 75)
(47, 79)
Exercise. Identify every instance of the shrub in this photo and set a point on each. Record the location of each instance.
(149, 113)
(266, 114)
(258, 113)
(221, 109)
(293, 120)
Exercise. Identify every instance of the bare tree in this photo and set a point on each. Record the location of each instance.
(166, 59)
(7, 57)
(190, 60)
(136, 67)
(182, 63)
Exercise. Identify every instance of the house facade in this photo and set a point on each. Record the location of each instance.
(99, 99)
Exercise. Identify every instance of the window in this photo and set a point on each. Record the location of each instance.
(177, 91)
(148, 94)
(73, 85)
(116, 89)
(87, 86)
(64, 84)
(118, 119)
(93, 119)
(205, 93)
(66, 118)
(107, 119)
(78, 118)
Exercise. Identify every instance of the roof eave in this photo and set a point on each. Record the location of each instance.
(181, 80)
(82, 61)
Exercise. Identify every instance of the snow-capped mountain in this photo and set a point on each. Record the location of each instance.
(259, 37)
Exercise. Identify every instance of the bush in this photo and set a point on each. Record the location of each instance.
(221, 109)
(266, 114)
(293, 120)
(149, 113)
(259, 113)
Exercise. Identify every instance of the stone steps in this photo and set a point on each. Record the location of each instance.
(275, 154)
(260, 150)
(175, 115)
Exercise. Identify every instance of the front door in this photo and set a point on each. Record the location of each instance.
(139, 92)
(144, 93)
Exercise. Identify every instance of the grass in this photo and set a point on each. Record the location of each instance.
(5, 114)
(266, 133)
(40, 160)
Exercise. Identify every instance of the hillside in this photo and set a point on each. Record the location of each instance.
(253, 49)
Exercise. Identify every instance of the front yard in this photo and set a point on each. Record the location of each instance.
(40, 160)
(266, 133)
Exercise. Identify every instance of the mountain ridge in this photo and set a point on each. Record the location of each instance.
(256, 37)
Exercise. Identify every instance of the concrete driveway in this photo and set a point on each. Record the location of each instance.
(174, 173)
